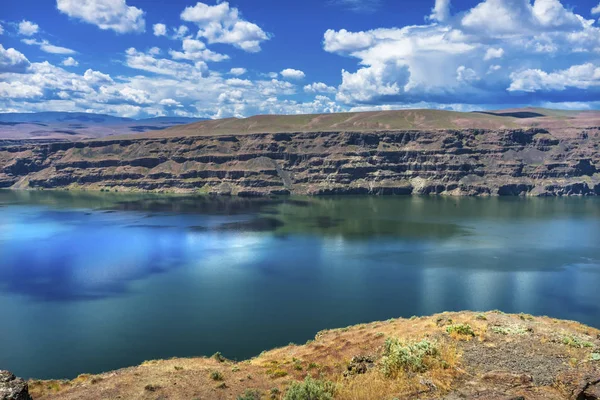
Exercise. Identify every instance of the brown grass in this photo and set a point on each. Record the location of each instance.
(327, 357)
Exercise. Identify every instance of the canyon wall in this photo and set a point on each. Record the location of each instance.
(529, 161)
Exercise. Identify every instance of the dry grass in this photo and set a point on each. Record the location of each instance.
(328, 356)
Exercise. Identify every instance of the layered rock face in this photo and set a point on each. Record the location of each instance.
(454, 162)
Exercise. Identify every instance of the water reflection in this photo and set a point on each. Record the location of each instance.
(94, 282)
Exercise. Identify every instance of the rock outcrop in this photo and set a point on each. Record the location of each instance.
(474, 162)
(13, 388)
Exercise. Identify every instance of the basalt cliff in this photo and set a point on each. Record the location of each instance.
(518, 153)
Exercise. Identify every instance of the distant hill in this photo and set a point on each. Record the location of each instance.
(76, 126)
(423, 119)
(48, 117)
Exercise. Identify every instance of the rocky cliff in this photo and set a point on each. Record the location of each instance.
(516, 161)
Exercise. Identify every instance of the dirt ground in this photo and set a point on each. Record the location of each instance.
(492, 356)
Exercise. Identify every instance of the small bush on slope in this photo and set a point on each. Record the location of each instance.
(310, 389)
(407, 356)
(250, 394)
(461, 329)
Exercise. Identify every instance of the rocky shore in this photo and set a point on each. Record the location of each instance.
(459, 355)
(461, 162)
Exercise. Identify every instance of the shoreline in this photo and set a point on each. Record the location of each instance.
(492, 353)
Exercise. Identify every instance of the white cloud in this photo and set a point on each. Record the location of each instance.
(148, 62)
(319, 87)
(47, 47)
(28, 28)
(446, 61)
(372, 82)
(169, 103)
(196, 50)
(70, 62)
(584, 76)
(159, 29)
(519, 16)
(12, 60)
(238, 82)
(290, 73)
(223, 24)
(96, 77)
(343, 41)
(596, 10)
(115, 15)
(237, 71)
(466, 75)
(492, 53)
(441, 11)
(1, 30)
(180, 32)
(18, 90)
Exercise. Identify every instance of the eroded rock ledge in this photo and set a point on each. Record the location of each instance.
(469, 162)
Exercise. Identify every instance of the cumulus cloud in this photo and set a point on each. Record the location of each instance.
(319, 87)
(28, 28)
(47, 47)
(159, 29)
(113, 15)
(464, 74)
(223, 24)
(162, 66)
(12, 60)
(445, 61)
(584, 76)
(290, 73)
(520, 16)
(596, 10)
(169, 103)
(237, 71)
(195, 50)
(441, 11)
(70, 62)
(492, 53)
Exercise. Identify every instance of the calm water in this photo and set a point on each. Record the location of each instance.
(90, 283)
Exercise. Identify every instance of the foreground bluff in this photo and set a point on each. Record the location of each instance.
(528, 161)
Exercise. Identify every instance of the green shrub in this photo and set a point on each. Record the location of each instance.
(526, 317)
(216, 376)
(276, 373)
(250, 394)
(481, 317)
(275, 392)
(461, 329)
(509, 330)
(595, 357)
(576, 342)
(411, 356)
(219, 357)
(310, 389)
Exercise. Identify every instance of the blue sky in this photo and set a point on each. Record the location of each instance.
(140, 58)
